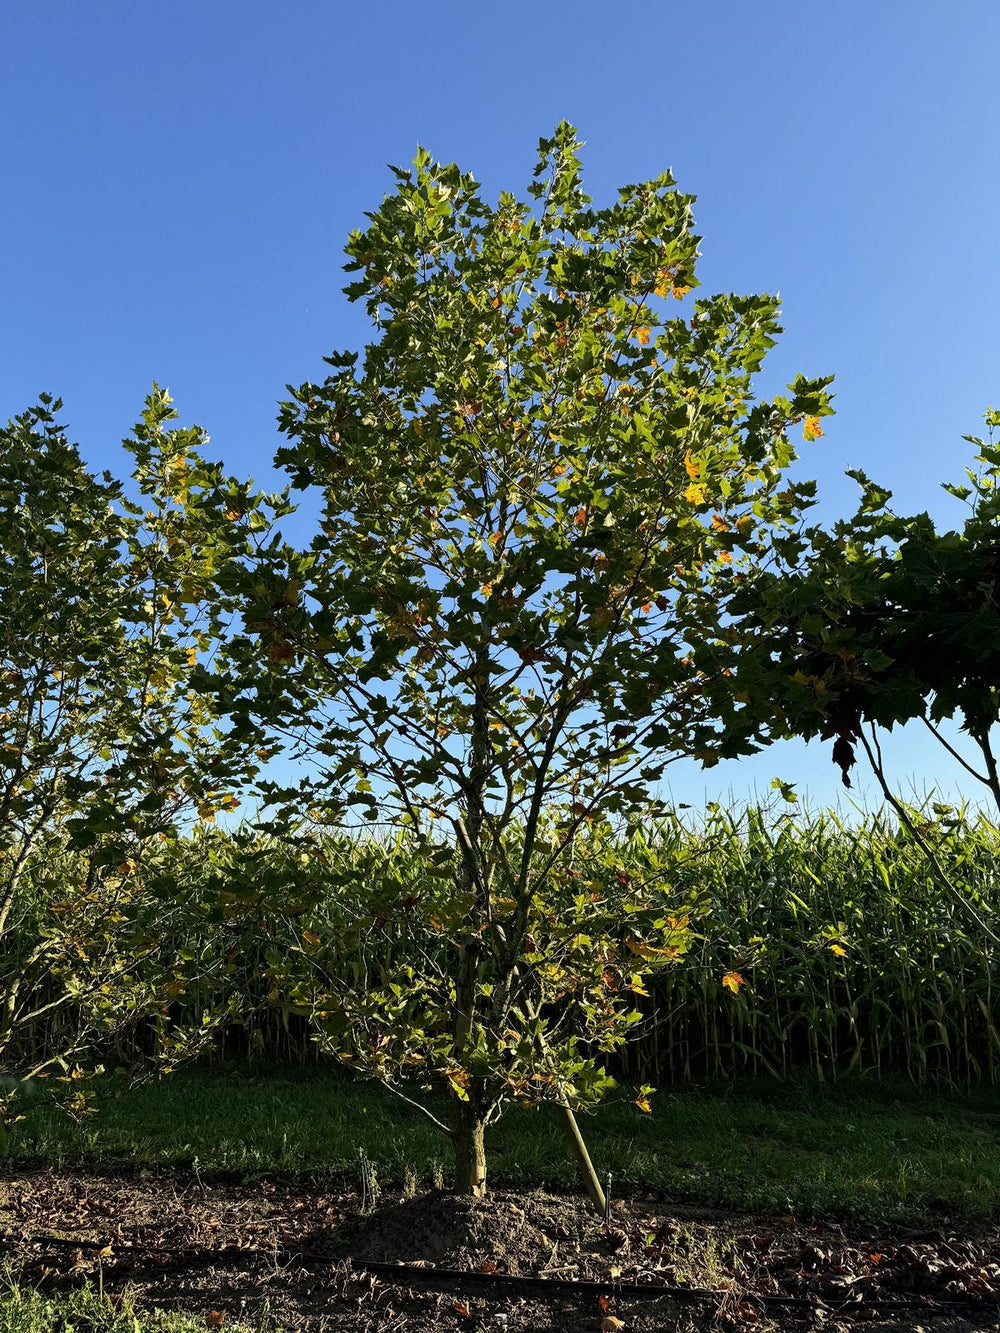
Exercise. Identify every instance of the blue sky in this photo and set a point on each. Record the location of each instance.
(181, 177)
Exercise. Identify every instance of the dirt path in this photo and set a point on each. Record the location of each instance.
(293, 1249)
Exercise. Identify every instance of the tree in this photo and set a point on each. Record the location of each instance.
(110, 736)
(539, 488)
(882, 620)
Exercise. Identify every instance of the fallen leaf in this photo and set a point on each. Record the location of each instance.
(460, 1307)
(215, 1318)
(609, 1324)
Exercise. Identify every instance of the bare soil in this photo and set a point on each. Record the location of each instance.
(294, 1250)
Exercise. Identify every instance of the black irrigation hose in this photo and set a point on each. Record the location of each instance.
(418, 1275)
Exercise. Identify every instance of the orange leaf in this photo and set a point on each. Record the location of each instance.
(580, 517)
(461, 1308)
(692, 468)
(215, 1318)
(643, 336)
(733, 981)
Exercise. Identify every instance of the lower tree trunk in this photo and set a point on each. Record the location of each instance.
(470, 1151)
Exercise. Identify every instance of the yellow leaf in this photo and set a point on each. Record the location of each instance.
(733, 981)
(486, 589)
(695, 494)
(812, 430)
(651, 951)
(725, 557)
(838, 950)
(643, 1104)
(643, 336)
(192, 656)
(692, 468)
(459, 1080)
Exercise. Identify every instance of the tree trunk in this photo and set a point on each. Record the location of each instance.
(470, 1151)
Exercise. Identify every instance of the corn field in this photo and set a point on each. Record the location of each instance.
(843, 954)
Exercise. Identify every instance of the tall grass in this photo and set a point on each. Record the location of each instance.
(853, 958)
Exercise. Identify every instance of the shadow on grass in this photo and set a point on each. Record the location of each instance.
(885, 1151)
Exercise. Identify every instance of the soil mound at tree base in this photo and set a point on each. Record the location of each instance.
(505, 1233)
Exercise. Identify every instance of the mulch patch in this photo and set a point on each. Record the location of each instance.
(292, 1249)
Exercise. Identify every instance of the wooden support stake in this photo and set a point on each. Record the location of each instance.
(594, 1190)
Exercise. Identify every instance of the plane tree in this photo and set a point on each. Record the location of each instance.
(538, 489)
(113, 600)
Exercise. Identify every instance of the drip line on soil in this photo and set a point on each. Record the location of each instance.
(419, 1275)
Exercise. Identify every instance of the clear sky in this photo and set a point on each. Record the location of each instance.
(179, 179)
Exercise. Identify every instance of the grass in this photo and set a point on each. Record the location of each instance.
(853, 1149)
(24, 1310)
